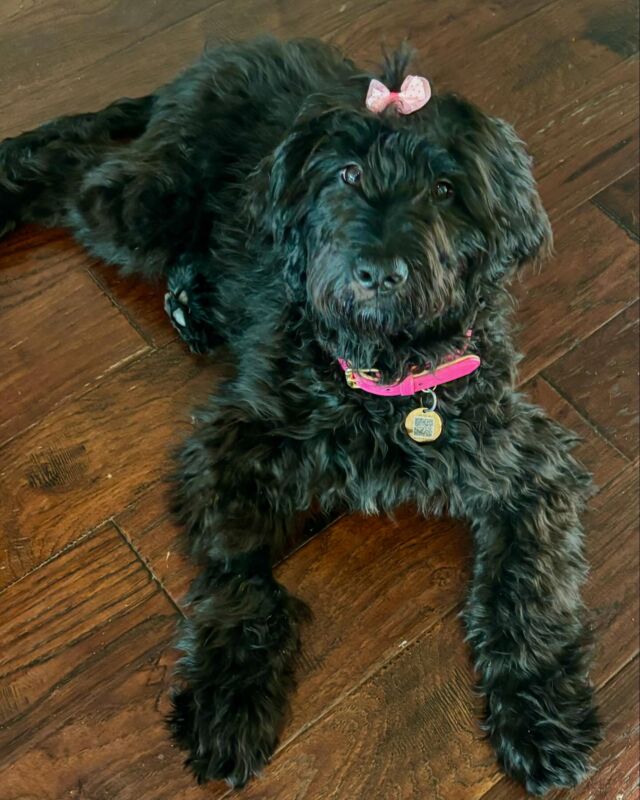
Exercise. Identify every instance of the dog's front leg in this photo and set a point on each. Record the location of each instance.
(525, 617)
(242, 637)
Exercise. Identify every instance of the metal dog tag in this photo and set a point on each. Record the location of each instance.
(424, 424)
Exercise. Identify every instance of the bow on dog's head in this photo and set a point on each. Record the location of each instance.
(394, 218)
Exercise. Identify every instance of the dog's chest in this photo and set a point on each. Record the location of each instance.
(382, 466)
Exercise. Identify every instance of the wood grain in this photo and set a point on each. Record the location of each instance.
(600, 377)
(589, 144)
(149, 526)
(620, 202)
(57, 327)
(409, 732)
(590, 279)
(84, 672)
(611, 592)
(95, 454)
(601, 458)
(42, 43)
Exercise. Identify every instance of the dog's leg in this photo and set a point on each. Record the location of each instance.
(42, 168)
(125, 192)
(525, 617)
(238, 490)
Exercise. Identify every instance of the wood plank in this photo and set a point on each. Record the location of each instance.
(42, 43)
(141, 302)
(90, 750)
(537, 53)
(410, 730)
(595, 452)
(56, 325)
(587, 146)
(591, 278)
(600, 377)
(357, 579)
(113, 59)
(620, 202)
(94, 455)
(611, 592)
(84, 673)
(616, 760)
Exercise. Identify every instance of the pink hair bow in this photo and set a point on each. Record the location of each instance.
(414, 93)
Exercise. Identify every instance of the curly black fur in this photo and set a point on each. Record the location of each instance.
(228, 182)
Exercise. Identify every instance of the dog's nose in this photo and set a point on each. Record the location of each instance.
(383, 276)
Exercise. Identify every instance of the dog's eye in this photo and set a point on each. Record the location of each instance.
(351, 174)
(442, 190)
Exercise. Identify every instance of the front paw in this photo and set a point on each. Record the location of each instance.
(231, 737)
(544, 731)
(237, 673)
(189, 304)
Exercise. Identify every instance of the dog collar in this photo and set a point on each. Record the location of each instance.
(457, 365)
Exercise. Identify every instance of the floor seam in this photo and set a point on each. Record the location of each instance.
(582, 414)
(613, 216)
(147, 338)
(147, 566)
(521, 382)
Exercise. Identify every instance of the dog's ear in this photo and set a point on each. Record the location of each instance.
(277, 202)
(501, 186)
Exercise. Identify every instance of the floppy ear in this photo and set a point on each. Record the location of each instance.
(278, 202)
(505, 194)
(280, 192)
(525, 226)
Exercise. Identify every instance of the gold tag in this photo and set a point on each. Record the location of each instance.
(423, 425)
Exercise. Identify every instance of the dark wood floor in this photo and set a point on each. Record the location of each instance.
(95, 389)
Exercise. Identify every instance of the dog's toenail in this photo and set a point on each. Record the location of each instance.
(183, 297)
(178, 316)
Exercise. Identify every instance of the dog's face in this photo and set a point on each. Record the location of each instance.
(398, 225)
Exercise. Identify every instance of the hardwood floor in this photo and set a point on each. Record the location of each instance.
(95, 391)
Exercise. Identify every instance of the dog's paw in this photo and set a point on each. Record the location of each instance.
(189, 305)
(177, 308)
(544, 734)
(227, 739)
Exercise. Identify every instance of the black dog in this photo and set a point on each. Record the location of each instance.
(309, 232)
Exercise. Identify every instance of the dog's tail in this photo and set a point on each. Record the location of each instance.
(38, 167)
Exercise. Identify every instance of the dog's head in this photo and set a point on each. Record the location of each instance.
(393, 227)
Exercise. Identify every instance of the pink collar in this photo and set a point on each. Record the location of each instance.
(455, 366)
